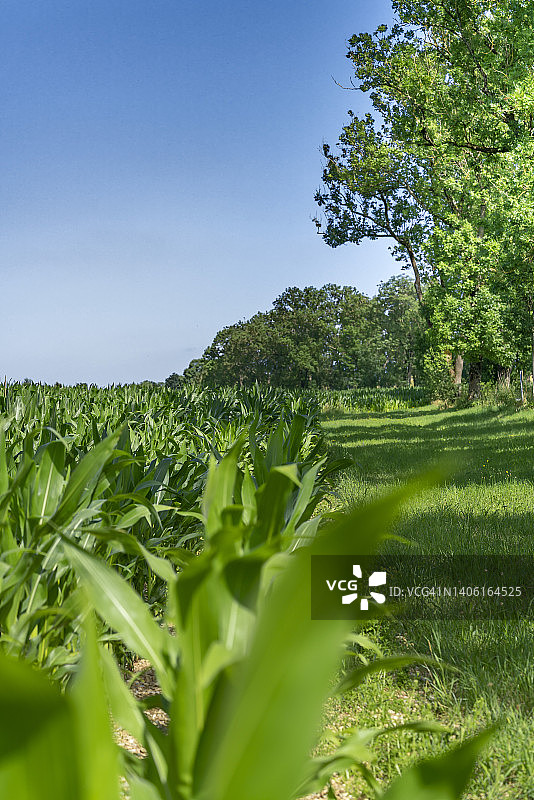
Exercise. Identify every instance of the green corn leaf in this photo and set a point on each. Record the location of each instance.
(295, 437)
(363, 641)
(219, 492)
(260, 468)
(336, 465)
(303, 498)
(190, 581)
(28, 701)
(203, 623)
(248, 498)
(49, 480)
(217, 658)
(93, 725)
(129, 544)
(272, 501)
(274, 455)
(4, 476)
(21, 478)
(354, 751)
(122, 609)
(140, 789)
(38, 747)
(242, 575)
(289, 666)
(132, 516)
(123, 705)
(84, 479)
(275, 677)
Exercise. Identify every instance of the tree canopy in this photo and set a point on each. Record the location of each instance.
(334, 337)
(443, 167)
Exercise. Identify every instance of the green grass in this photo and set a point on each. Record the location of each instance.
(484, 506)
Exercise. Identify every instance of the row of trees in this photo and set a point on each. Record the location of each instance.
(334, 336)
(444, 167)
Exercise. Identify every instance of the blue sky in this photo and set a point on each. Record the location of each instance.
(159, 162)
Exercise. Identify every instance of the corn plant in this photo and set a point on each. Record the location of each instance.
(123, 498)
(243, 669)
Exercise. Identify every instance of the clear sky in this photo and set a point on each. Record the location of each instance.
(159, 163)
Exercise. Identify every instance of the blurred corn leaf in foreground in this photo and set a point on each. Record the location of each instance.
(55, 746)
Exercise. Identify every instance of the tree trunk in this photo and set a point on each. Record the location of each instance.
(417, 275)
(475, 375)
(458, 369)
(503, 377)
(455, 366)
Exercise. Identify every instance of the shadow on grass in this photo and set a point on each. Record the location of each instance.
(484, 507)
(478, 444)
(495, 659)
(483, 530)
(405, 414)
(495, 656)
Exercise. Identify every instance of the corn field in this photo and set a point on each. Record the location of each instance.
(177, 526)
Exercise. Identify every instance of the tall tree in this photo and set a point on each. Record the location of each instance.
(452, 93)
(373, 190)
(404, 329)
(304, 326)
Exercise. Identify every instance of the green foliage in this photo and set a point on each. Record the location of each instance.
(58, 746)
(89, 522)
(174, 381)
(372, 190)
(404, 330)
(330, 337)
(132, 498)
(379, 399)
(444, 168)
(437, 376)
(232, 658)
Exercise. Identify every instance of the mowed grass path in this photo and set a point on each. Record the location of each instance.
(485, 505)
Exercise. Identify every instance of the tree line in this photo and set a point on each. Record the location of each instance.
(444, 168)
(332, 337)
